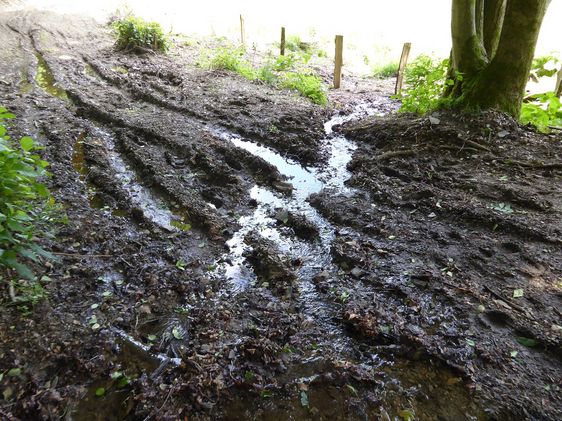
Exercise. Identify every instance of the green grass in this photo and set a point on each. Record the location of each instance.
(385, 70)
(135, 33)
(287, 72)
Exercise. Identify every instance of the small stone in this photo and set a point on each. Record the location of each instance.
(356, 272)
(144, 309)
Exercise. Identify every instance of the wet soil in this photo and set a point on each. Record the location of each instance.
(235, 252)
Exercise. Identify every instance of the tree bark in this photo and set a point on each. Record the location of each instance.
(495, 65)
(494, 11)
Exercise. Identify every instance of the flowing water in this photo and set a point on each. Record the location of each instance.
(315, 256)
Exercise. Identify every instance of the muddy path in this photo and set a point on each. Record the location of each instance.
(233, 253)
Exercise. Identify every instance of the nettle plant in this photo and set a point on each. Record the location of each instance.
(26, 206)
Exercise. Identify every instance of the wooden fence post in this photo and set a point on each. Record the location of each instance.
(242, 31)
(282, 52)
(558, 88)
(402, 67)
(338, 61)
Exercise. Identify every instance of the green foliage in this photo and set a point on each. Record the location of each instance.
(26, 207)
(542, 111)
(544, 66)
(385, 70)
(134, 33)
(307, 85)
(228, 58)
(27, 293)
(289, 71)
(426, 78)
(295, 44)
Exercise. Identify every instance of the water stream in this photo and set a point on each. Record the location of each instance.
(315, 256)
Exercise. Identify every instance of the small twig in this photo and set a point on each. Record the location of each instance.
(547, 166)
(394, 154)
(504, 299)
(79, 256)
(473, 144)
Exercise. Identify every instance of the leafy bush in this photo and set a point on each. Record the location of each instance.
(386, 70)
(136, 33)
(542, 111)
(425, 78)
(26, 207)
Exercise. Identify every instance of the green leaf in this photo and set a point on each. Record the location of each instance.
(407, 415)
(304, 399)
(513, 354)
(14, 372)
(518, 293)
(470, 342)
(100, 391)
(176, 333)
(26, 143)
(528, 342)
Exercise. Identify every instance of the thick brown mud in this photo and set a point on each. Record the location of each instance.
(235, 252)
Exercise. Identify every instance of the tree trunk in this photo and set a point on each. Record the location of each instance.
(493, 47)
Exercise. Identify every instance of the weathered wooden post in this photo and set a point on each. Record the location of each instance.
(242, 31)
(402, 67)
(558, 88)
(338, 61)
(282, 52)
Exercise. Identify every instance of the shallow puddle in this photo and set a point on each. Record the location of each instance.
(46, 80)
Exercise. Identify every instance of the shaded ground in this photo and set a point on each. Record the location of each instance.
(411, 312)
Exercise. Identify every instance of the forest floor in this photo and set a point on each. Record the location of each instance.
(230, 256)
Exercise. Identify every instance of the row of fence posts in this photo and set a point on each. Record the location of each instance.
(338, 61)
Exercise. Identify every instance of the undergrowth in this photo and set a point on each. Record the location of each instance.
(134, 33)
(542, 111)
(27, 209)
(425, 80)
(289, 71)
(385, 70)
